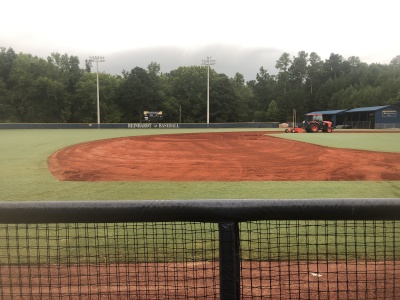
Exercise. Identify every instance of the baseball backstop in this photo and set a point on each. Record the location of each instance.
(201, 249)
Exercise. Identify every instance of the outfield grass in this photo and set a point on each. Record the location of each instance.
(263, 240)
(25, 176)
(383, 142)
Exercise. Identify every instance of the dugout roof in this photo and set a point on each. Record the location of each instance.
(368, 109)
(327, 112)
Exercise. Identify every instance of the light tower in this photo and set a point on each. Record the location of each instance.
(208, 62)
(97, 59)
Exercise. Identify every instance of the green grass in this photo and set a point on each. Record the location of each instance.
(192, 241)
(25, 175)
(111, 243)
(381, 142)
(312, 240)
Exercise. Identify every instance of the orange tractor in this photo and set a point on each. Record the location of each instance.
(315, 122)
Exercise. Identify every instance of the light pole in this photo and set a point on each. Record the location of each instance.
(208, 62)
(97, 59)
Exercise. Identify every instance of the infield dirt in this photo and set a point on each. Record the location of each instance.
(228, 156)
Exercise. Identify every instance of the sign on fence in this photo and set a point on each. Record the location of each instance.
(153, 125)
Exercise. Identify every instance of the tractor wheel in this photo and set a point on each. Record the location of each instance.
(286, 130)
(329, 129)
(314, 128)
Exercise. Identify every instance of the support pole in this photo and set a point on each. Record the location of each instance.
(229, 261)
(207, 62)
(97, 59)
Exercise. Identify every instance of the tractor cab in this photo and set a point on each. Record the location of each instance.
(312, 117)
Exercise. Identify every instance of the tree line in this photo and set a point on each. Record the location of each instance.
(58, 90)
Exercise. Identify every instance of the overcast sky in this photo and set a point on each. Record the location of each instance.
(241, 36)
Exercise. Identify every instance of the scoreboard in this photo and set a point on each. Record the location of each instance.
(152, 116)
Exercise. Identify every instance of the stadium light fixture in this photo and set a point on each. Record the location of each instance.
(208, 62)
(97, 59)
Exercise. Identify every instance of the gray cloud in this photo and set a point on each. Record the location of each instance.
(229, 60)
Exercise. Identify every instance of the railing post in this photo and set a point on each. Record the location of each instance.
(229, 261)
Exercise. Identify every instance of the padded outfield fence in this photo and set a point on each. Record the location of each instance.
(203, 249)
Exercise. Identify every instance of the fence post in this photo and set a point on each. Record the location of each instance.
(229, 261)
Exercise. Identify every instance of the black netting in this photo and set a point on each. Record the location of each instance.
(201, 250)
(320, 260)
(109, 261)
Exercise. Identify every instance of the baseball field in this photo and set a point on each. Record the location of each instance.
(180, 164)
(126, 164)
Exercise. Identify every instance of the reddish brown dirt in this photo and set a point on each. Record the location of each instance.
(200, 280)
(233, 156)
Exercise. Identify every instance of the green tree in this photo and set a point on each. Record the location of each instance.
(58, 90)
(154, 68)
(293, 99)
(298, 69)
(85, 108)
(6, 110)
(246, 102)
(315, 71)
(391, 91)
(7, 57)
(225, 104)
(170, 105)
(110, 111)
(68, 72)
(36, 95)
(272, 114)
(260, 116)
(324, 97)
(355, 70)
(188, 88)
(263, 88)
(138, 92)
(333, 65)
(50, 105)
(283, 64)
(85, 99)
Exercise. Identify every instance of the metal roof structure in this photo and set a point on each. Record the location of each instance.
(367, 109)
(327, 112)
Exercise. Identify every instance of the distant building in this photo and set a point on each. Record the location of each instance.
(379, 117)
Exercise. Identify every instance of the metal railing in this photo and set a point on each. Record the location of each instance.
(201, 249)
(358, 124)
(387, 125)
